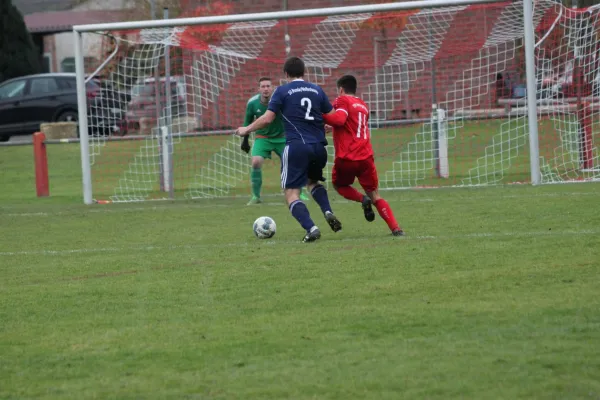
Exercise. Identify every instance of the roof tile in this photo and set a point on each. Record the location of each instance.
(62, 21)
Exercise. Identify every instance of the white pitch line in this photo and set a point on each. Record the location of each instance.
(273, 242)
(170, 207)
(108, 209)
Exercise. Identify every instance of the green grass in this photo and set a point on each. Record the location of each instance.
(493, 294)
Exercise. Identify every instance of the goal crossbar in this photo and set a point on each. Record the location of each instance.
(314, 12)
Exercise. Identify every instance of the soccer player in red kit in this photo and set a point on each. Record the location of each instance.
(354, 153)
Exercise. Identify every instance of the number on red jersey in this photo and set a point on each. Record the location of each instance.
(352, 141)
(363, 126)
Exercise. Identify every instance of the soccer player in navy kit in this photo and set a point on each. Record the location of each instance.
(302, 105)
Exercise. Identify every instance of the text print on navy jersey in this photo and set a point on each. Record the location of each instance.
(302, 105)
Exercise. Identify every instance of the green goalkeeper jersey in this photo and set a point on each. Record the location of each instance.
(255, 109)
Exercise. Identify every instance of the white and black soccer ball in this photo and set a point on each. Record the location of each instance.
(264, 227)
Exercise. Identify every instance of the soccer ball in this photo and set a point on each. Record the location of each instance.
(264, 227)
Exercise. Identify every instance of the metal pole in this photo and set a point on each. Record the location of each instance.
(404, 77)
(576, 25)
(157, 104)
(286, 32)
(434, 112)
(380, 73)
(534, 150)
(376, 70)
(152, 9)
(280, 15)
(86, 170)
(169, 121)
(431, 51)
(214, 80)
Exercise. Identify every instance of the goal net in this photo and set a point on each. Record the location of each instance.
(445, 87)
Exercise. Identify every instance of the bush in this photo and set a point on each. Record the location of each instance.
(18, 54)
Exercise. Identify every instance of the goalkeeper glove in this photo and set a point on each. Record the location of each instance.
(246, 145)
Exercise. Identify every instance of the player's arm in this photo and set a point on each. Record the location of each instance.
(337, 115)
(264, 120)
(247, 121)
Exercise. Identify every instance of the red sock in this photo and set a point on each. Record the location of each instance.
(386, 213)
(348, 192)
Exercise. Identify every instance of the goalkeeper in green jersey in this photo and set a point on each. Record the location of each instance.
(267, 140)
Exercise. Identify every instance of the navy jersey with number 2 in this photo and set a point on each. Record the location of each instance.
(302, 105)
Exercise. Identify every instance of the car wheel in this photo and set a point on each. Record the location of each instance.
(67, 116)
(4, 138)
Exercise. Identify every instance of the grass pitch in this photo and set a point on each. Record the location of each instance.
(493, 294)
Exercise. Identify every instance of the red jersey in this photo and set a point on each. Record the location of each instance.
(352, 140)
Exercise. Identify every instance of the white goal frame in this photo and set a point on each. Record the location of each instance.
(78, 30)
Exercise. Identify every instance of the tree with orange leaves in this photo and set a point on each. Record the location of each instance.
(201, 36)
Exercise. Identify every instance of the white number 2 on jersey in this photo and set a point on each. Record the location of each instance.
(362, 124)
(306, 100)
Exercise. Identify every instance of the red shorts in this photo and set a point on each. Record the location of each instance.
(345, 171)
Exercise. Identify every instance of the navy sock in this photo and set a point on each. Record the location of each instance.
(300, 212)
(319, 193)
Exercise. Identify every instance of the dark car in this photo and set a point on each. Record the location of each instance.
(28, 101)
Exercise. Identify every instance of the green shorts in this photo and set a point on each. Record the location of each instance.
(263, 147)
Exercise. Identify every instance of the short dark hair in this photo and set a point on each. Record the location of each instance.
(264, 78)
(348, 83)
(294, 67)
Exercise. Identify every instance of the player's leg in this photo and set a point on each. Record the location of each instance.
(343, 174)
(256, 179)
(317, 162)
(294, 163)
(366, 173)
(278, 149)
(260, 151)
(342, 177)
(369, 181)
(385, 212)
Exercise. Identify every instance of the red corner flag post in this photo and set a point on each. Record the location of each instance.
(41, 165)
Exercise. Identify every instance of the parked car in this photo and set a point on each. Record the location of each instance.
(28, 101)
(144, 99)
(106, 112)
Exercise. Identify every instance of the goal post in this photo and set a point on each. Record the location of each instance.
(444, 81)
(531, 83)
(82, 120)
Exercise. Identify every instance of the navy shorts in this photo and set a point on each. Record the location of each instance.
(301, 162)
